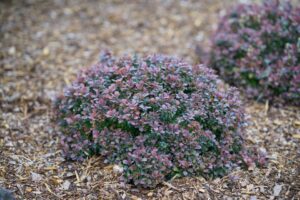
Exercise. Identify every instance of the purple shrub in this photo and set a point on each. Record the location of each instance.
(257, 47)
(155, 116)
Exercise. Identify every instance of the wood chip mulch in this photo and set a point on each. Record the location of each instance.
(43, 44)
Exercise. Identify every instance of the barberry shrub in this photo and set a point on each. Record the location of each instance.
(155, 116)
(257, 47)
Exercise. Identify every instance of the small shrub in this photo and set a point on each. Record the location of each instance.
(156, 116)
(257, 47)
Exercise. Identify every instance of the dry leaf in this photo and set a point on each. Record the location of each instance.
(66, 185)
(28, 189)
(46, 51)
(118, 169)
(276, 190)
(150, 194)
(36, 177)
(253, 198)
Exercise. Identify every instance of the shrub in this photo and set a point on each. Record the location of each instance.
(156, 116)
(257, 47)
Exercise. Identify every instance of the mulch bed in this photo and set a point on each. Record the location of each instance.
(44, 44)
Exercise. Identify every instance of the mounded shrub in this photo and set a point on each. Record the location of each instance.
(155, 116)
(257, 47)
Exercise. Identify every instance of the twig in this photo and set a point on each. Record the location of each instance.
(267, 107)
(49, 190)
(171, 186)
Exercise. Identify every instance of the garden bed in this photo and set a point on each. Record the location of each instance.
(44, 44)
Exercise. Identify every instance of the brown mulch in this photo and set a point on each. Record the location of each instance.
(43, 44)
